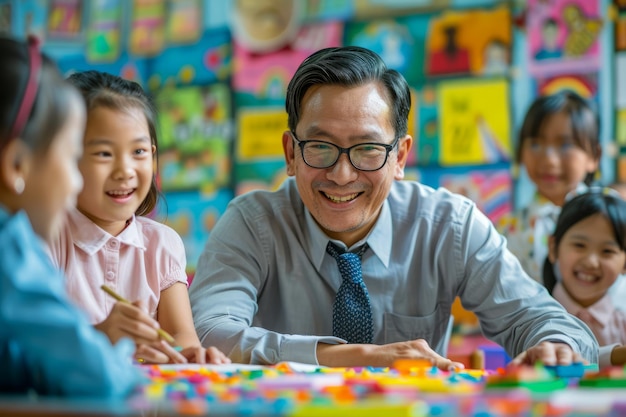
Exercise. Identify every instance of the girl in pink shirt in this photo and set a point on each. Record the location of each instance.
(108, 240)
(587, 253)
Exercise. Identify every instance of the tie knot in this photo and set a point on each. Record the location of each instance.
(338, 253)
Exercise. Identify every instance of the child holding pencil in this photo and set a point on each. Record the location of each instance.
(46, 344)
(108, 240)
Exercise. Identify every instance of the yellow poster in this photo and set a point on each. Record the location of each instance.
(260, 133)
(475, 122)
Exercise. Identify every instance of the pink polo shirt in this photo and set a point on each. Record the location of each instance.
(607, 323)
(145, 259)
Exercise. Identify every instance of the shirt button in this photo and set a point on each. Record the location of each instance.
(110, 275)
(113, 243)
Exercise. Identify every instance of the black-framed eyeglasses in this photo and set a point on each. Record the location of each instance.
(370, 156)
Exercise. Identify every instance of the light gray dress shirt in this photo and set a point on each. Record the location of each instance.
(264, 286)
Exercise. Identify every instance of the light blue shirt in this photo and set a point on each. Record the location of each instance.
(46, 344)
(264, 287)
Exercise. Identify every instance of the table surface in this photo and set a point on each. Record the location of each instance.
(299, 390)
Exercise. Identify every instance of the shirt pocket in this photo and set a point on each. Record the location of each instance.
(399, 328)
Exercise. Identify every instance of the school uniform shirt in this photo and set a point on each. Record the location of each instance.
(527, 233)
(264, 286)
(46, 344)
(145, 259)
(607, 323)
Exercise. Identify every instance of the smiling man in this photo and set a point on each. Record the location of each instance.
(345, 265)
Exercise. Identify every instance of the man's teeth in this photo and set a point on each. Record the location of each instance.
(336, 199)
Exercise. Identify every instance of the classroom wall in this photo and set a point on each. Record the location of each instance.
(221, 96)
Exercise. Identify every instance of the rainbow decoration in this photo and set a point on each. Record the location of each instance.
(580, 84)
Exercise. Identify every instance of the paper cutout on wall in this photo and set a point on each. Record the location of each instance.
(6, 17)
(263, 26)
(260, 133)
(33, 15)
(128, 67)
(328, 10)
(196, 137)
(259, 175)
(427, 140)
(261, 79)
(586, 85)
(620, 127)
(184, 21)
(563, 36)
(147, 30)
(199, 63)
(377, 8)
(391, 40)
(65, 20)
(399, 41)
(476, 42)
(412, 124)
(103, 34)
(475, 124)
(490, 187)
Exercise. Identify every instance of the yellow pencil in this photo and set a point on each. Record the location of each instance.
(165, 335)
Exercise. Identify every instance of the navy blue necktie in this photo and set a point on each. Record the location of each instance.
(352, 312)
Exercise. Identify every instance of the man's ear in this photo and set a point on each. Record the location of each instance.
(289, 151)
(552, 252)
(15, 163)
(404, 147)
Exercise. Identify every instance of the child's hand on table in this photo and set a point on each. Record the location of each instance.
(211, 355)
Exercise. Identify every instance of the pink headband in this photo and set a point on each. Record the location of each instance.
(32, 86)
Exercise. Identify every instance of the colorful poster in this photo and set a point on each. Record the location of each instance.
(184, 21)
(620, 127)
(586, 85)
(620, 33)
(259, 175)
(198, 63)
(375, 8)
(147, 32)
(33, 14)
(427, 139)
(394, 40)
(412, 124)
(128, 67)
(399, 41)
(196, 136)
(193, 215)
(6, 17)
(464, 42)
(65, 20)
(328, 9)
(563, 36)
(261, 79)
(260, 133)
(620, 79)
(490, 187)
(103, 35)
(475, 125)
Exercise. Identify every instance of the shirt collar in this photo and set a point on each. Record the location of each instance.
(378, 239)
(601, 311)
(90, 238)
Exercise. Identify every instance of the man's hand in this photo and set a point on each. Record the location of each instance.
(548, 353)
(381, 355)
